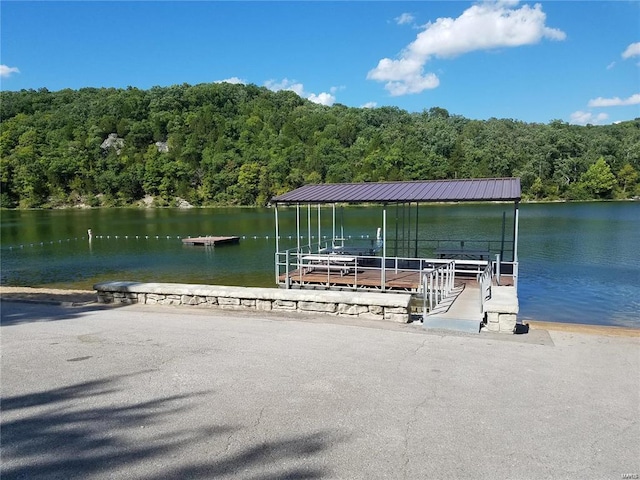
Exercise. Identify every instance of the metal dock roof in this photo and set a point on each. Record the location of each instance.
(468, 190)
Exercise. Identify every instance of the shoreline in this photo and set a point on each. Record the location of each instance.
(83, 297)
(139, 205)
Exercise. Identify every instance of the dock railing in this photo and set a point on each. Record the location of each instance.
(493, 273)
(484, 280)
(505, 269)
(437, 284)
(481, 249)
(295, 268)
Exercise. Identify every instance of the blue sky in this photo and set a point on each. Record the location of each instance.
(577, 61)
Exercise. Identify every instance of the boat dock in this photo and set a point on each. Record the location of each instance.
(210, 240)
(460, 284)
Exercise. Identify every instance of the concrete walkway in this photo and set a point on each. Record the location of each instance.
(144, 392)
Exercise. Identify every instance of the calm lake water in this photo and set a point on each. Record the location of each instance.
(578, 262)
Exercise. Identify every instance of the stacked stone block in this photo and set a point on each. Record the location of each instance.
(370, 305)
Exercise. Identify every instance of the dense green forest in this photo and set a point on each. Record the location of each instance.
(224, 144)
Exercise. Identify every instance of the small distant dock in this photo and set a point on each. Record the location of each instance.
(210, 241)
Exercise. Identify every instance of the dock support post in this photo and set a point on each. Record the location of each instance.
(277, 246)
(319, 229)
(309, 224)
(298, 232)
(416, 249)
(383, 276)
(288, 280)
(515, 232)
(333, 232)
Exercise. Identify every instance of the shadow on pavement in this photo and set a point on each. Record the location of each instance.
(46, 295)
(54, 434)
(18, 311)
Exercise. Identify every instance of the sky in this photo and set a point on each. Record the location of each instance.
(575, 61)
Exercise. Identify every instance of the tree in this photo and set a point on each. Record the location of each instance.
(229, 144)
(598, 179)
(627, 177)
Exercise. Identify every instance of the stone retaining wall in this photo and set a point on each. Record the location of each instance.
(501, 310)
(378, 306)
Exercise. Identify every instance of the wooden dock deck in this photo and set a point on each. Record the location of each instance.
(400, 280)
(210, 240)
(365, 279)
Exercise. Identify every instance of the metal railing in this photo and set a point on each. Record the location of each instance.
(494, 272)
(506, 269)
(350, 271)
(436, 247)
(484, 280)
(437, 285)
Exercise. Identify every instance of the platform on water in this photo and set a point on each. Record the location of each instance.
(210, 240)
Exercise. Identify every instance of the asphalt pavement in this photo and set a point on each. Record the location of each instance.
(146, 392)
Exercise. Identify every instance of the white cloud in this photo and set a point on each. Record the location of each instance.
(234, 80)
(6, 71)
(323, 98)
(611, 65)
(404, 19)
(285, 84)
(632, 50)
(583, 118)
(369, 105)
(615, 101)
(484, 26)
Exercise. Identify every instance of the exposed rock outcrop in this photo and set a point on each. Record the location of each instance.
(113, 141)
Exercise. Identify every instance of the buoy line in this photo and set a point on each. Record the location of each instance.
(92, 237)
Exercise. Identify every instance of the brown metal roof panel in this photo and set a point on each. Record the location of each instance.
(397, 191)
(446, 190)
(479, 189)
(417, 190)
(485, 189)
(378, 192)
(425, 191)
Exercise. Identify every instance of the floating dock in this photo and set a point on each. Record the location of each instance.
(210, 241)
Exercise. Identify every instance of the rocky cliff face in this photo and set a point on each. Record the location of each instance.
(163, 147)
(113, 141)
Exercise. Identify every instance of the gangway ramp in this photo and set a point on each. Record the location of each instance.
(458, 312)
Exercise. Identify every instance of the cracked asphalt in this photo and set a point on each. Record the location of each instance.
(145, 392)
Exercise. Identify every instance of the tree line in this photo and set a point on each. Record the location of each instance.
(226, 144)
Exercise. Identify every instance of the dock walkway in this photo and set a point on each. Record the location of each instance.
(460, 311)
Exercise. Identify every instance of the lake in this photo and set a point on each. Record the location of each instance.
(579, 262)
